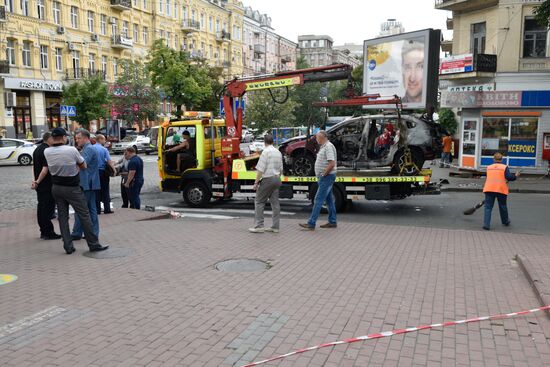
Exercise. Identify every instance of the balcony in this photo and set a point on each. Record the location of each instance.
(226, 64)
(534, 64)
(468, 66)
(286, 58)
(121, 4)
(447, 46)
(223, 36)
(81, 73)
(121, 42)
(450, 24)
(259, 48)
(194, 55)
(4, 67)
(464, 5)
(190, 26)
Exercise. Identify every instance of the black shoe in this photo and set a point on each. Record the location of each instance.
(98, 248)
(70, 250)
(109, 212)
(507, 224)
(52, 236)
(76, 238)
(486, 228)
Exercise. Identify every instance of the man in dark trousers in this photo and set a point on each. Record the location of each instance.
(134, 182)
(64, 163)
(105, 167)
(45, 209)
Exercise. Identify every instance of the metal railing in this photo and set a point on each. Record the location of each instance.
(190, 24)
(82, 73)
(121, 4)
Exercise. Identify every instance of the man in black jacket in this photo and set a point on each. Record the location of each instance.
(45, 209)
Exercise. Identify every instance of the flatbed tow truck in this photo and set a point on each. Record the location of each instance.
(223, 172)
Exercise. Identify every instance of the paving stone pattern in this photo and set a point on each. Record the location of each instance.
(167, 305)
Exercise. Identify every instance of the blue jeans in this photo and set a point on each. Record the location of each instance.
(324, 193)
(490, 202)
(133, 193)
(92, 208)
(445, 159)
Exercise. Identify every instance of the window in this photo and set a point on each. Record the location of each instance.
(144, 4)
(74, 17)
(114, 27)
(10, 52)
(43, 57)
(184, 13)
(91, 21)
(534, 39)
(161, 33)
(9, 5)
(58, 59)
(193, 15)
(104, 64)
(217, 25)
(91, 62)
(203, 22)
(168, 39)
(76, 60)
(211, 24)
(135, 3)
(40, 9)
(25, 8)
(477, 43)
(145, 35)
(515, 138)
(161, 6)
(125, 28)
(115, 67)
(26, 53)
(136, 33)
(168, 8)
(103, 24)
(56, 9)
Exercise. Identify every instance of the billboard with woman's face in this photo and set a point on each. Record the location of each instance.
(405, 65)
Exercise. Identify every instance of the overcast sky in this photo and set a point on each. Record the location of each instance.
(348, 21)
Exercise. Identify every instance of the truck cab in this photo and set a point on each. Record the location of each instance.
(195, 180)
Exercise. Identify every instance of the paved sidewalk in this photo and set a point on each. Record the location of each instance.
(167, 305)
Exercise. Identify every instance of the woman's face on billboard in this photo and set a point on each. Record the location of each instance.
(413, 72)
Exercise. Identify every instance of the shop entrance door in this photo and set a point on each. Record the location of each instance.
(22, 121)
(469, 143)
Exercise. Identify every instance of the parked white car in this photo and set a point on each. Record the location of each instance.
(257, 145)
(138, 142)
(15, 151)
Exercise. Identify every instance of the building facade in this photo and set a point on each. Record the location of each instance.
(498, 80)
(391, 27)
(264, 50)
(318, 50)
(45, 44)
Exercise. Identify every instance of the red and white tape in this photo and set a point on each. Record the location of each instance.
(399, 331)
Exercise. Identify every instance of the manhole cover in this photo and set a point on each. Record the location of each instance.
(6, 224)
(242, 265)
(111, 253)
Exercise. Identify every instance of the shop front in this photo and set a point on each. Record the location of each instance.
(510, 122)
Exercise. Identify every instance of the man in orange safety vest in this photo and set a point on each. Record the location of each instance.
(496, 187)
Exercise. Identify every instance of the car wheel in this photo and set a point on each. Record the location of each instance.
(399, 162)
(24, 159)
(303, 164)
(196, 195)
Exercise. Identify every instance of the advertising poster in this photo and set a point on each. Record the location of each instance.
(403, 66)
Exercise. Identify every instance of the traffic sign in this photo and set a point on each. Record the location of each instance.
(68, 111)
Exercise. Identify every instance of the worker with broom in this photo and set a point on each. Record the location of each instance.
(496, 187)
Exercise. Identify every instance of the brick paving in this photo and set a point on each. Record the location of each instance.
(166, 305)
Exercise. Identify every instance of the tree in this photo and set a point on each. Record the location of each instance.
(338, 89)
(263, 113)
(90, 97)
(542, 13)
(134, 98)
(447, 119)
(306, 114)
(185, 82)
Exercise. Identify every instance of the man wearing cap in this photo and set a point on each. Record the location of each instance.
(64, 163)
(496, 187)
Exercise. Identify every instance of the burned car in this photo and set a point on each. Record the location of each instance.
(369, 142)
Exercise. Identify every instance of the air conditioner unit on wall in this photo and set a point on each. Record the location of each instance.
(95, 37)
(72, 46)
(10, 99)
(60, 30)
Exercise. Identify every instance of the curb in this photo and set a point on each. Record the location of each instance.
(515, 191)
(542, 290)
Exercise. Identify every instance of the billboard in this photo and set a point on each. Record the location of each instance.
(457, 64)
(405, 65)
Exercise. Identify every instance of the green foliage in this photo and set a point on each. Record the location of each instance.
(90, 97)
(447, 119)
(135, 100)
(187, 82)
(304, 96)
(338, 89)
(263, 113)
(542, 13)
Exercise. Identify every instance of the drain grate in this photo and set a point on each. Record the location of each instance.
(111, 253)
(242, 265)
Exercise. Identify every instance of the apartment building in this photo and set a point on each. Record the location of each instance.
(265, 51)
(318, 51)
(45, 44)
(497, 77)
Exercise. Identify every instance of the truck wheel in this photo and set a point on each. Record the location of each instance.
(303, 165)
(339, 201)
(196, 195)
(399, 161)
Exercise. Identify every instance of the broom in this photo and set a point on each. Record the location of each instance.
(472, 210)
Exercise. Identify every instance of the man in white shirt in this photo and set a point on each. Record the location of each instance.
(268, 181)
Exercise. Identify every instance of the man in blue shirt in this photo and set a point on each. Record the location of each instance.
(104, 174)
(89, 182)
(134, 182)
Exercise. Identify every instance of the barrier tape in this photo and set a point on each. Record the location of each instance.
(397, 332)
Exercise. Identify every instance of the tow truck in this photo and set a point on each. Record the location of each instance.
(222, 171)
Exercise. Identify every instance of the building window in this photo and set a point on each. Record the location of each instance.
(477, 44)
(91, 62)
(114, 27)
(9, 5)
(184, 13)
(217, 25)
(168, 39)
(25, 7)
(168, 8)
(26, 53)
(144, 4)
(43, 57)
(58, 59)
(41, 9)
(10, 52)
(115, 67)
(136, 33)
(74, 17)
(145, 35)
(56, 9)
(203, 21)
(135, 3)
(76, 60)
(193, 15)
(125, 28)
(534, 39)
(103, 24)
(161, 6)
(91, 21)
(104, 64)
(211, 24)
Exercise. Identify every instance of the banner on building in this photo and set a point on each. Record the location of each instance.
(522, 148)
(481, 99)
(457, 64)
